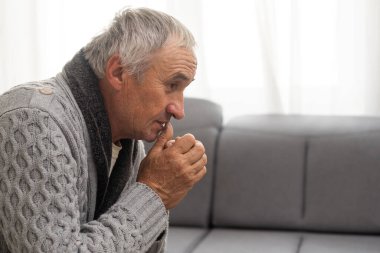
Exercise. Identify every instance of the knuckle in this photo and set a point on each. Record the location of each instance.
(190, 174)
(180, 167)
(189, 182)
(199, 146)
(189, 178)
(201, 174)
(204, 171)
(170, 154)
(204, 157)
(169, 143)
(189, 137)
(199, 143)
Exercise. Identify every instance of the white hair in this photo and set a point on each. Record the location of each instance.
(135, 34)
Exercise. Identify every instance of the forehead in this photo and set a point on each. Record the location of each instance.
(172, 59)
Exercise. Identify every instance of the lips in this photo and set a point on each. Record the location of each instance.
(163, 127)
(162, 124)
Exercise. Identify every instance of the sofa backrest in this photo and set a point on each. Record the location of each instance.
(299, 172)
(204, 120)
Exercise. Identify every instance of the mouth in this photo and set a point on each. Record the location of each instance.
(163, 127)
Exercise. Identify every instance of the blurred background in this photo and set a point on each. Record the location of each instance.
(255, 56)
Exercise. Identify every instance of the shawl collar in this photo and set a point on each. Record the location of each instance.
(84, 86)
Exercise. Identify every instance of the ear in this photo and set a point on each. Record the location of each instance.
(114, 72)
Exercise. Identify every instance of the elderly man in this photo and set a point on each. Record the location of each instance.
(73, 177)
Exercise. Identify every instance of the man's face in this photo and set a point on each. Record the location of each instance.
(150, 103)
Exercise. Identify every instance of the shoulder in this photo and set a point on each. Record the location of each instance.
(48, 96)
(42, 100)
(34, 95)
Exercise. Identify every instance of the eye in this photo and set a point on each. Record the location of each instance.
(173, 86)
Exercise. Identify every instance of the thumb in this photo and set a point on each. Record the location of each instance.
(165, 135)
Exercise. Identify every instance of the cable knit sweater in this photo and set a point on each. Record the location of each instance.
(55, 153)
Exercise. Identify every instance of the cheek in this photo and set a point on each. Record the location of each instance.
(152, 111)
(153, 102)
(156, 102)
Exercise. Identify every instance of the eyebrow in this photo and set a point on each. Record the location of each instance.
(181, 77)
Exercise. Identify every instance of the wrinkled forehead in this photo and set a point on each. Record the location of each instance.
(175, 55)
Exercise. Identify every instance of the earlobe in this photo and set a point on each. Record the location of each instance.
(114, 72)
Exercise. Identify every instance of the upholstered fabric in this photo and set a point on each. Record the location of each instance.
(259, 180)
(184, 239)
(330, 243)
(246, 241)
(299, 172)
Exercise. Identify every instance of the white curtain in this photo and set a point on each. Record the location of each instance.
(39, 36)
(294, 56)
(255, 56)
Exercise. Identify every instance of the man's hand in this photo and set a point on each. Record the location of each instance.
(172, 167)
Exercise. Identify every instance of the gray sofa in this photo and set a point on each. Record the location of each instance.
(281, 184)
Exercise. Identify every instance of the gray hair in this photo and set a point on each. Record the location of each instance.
(135, 34)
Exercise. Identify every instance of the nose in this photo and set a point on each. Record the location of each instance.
(177, 109)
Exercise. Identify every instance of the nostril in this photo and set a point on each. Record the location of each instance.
(177, 116)
(176, 111)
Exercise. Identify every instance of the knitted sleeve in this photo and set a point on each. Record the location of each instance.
(39, 195)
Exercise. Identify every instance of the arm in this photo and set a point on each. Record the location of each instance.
(39, 195)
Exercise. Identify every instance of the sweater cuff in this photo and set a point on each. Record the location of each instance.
(149, 210)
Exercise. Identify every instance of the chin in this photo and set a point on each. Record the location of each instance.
(150, 137)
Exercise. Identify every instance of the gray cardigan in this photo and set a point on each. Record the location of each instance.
(55, 151)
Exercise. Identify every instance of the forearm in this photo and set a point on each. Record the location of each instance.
(131, 225)
(126, 227)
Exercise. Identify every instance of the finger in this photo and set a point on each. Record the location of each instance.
(201, 173)
(169, 143)
(185, 143)
(163, 138)
(195, 153)
(198, 165)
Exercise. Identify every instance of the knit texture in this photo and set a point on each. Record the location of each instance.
(44, 186)
(84, 87)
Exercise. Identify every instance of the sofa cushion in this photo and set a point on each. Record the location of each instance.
(343, 183)
(184, 239)
(258, 181)
(299, 172)
(246, 241)
(204, 120)
(317, 243)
